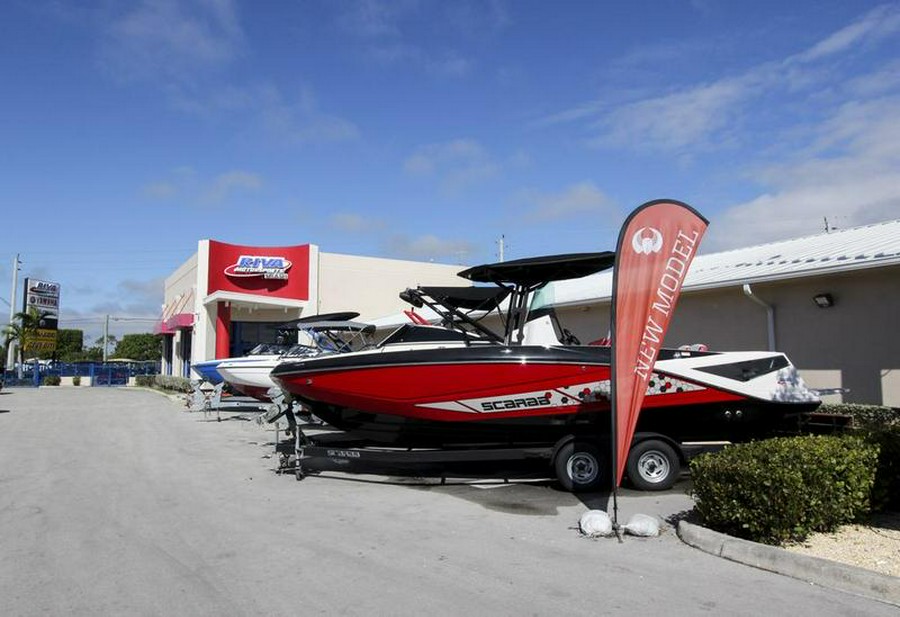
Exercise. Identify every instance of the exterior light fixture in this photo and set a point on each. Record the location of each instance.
(823, 300)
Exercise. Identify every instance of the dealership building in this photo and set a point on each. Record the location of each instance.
(830, 301)
(227, 298)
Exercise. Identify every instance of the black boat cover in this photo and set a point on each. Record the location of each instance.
(343, 316)
(534, 270)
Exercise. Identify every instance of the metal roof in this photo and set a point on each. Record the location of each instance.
(868, 246)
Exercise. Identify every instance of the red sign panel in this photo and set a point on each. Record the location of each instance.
(276, 271)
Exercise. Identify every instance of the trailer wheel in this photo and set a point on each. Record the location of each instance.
(579, 467)
(653, 465)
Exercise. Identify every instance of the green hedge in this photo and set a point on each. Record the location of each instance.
(864, 416)
(782, 489)
(145, 381)
(879, 425)
(886, 490)
(50, 380)
(171, 382)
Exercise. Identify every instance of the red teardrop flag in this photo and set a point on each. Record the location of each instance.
(656, 246)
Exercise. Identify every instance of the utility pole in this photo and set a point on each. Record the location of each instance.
(106, 339)
(11, 353)
(500, 244)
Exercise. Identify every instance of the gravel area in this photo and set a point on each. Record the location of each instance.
(875, 546)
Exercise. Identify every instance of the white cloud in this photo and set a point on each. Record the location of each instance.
(823, 126)
(188, 187)
(160, 190)
(225, 185)
(300, 121)
(355, 223)
(375, 18)
(879, 22)
(575, 201)
(184, 47)
(172, 39)
(704, 116)
(143, 297)
(450, 64)
(876, 83)
(674, 121)
(387, 31)
(849, 174)
(457, 164)
(429, 247)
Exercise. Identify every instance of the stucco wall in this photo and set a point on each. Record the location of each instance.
(372, 285)
(182, 280)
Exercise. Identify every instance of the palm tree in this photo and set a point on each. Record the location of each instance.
(23, 328)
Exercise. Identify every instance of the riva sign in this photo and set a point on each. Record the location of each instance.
(259, 265)
(263, 271)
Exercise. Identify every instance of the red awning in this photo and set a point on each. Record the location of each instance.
(160, 328)
(175, 322)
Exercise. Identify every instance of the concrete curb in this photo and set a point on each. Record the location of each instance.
(815, 570)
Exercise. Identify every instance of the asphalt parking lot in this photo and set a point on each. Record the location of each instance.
(117, 501)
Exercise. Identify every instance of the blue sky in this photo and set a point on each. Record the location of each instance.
(426, 130)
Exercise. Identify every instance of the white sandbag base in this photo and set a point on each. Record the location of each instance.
(597, 524)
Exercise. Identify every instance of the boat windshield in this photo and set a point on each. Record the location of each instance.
(339, 338)
(268, 349)
(544, 297)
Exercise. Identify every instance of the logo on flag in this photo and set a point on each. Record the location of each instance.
(647, 240)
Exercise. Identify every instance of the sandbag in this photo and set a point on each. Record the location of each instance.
(595, 523)
(642, 525)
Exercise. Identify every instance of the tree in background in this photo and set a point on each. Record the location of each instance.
(94, 354)
(139, 347)
(69, 345)
(111, 342)
(23, 328)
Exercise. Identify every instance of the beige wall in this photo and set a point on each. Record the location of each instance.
(855, 344)
(178, 284)
(181, 281)
(372, 285)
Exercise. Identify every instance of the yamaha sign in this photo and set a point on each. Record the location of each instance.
(43, 297)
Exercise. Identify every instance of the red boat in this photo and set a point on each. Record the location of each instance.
(469, 386)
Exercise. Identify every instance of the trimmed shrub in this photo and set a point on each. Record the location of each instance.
(50, 380)
(878, 425)
(145, 381)
(863, 415)
(782, 489)
(171, 382)
(76, 380)
(886, 490)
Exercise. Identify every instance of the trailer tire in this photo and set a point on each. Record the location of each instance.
(579, 466)
(653, 465)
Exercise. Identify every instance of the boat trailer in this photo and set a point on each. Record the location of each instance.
(210, 400)
(312, 448)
